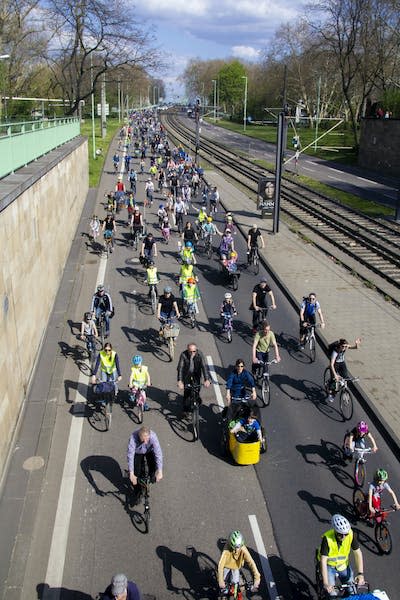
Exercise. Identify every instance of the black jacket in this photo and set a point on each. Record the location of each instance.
(200, 367)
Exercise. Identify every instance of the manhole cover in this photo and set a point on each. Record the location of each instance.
(33, 463)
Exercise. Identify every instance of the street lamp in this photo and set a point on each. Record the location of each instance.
(245, 103)
(215, 99)
(3, 57)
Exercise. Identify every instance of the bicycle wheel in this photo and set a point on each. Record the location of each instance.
(235, 282)
(359, 503)
(209, 251)
(313, 350)
(359, 473)
(327, 379)
(383, 538)
(256, 264)
(171, 348)
(153, 297)
(346, 405)
(195, 421)
(108, 415)
(265, 391)
(102, 331)
(229, 334)
(192, 320)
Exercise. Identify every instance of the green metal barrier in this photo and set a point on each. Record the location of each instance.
(21, 143)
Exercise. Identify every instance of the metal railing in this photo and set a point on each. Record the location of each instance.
(24, 142)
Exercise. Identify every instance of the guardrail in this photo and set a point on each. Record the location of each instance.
(22, 143)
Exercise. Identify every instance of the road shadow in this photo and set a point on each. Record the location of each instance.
(331, 456)
(330, 506)
(45, 592)
(196, 568)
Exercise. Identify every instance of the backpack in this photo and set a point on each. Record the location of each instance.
(333, 346)
(307, 305)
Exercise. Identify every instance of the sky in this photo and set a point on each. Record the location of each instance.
(208, 29)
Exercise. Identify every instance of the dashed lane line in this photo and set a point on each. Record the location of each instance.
(262, 553)
(215, 383)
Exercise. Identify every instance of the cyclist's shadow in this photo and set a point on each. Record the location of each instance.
(197, 568)
(331, 458)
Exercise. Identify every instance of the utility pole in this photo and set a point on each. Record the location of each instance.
(280, 149)
(92, 98)
(197, 119)
(215, 98)
(245, 103)
(103, 107)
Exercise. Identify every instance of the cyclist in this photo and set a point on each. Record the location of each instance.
(185, 272)
(133, 180)
(140, 375)
(229, 263)
(191, 367)
(136, 222)
(152, 276)
(334, 554)
(337, 363)
(214, 199)
(102, 304)
(161, 213)
(227, 308)
(111, 202)
(94, 228)
(239, 380)
(309, 309)
(88, 329)
(226, 244)
(116, 161)
(201, 216)
(187, 253)
(376, 487)
(109, 230)
(356, 439)
(167, 307)
(180, 210)
(190, 294)
(259, 301)
(144, 446)
(149, 189)
(253, 236)
(122, 589)
(119, 190)
(262, 342)
(189, 234)
(210, 228)
(108, 361)
(149, 247)
(233, 557)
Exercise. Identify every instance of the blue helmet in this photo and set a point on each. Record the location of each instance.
(161, 206)
(136, 360)
(189, 245)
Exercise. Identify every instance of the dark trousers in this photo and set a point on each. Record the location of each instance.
(140, 467)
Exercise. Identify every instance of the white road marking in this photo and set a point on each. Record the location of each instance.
(59, 539)
(367, 180)
(215, 383)
(332, 177)
(271, 585)
(307, 169)
(310, 162)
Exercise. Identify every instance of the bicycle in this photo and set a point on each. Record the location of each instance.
(310, 339)
(135, 236)
(262, 315)
(208, 247)
(179, 221)
(232, 276)
(195, 401)
(90, 341)
(170, 331)
(153, 297)
(144, 481)
(166, 234)
(382, 534)
(360, 470)
(106, 392)
(253, 259)
(346, 400)
(101, 327)
(137, 397)
(191, 313)
(340, 590)
(264, 376)
(227, 325)
(108, 244)
(237, 591)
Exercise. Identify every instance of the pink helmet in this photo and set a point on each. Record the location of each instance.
(362, 428)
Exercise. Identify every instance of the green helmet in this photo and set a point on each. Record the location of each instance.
(236, 540)
(380, 475)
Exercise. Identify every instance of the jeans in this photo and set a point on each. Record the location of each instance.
(110, 377)
(231, 575)
(345, 576)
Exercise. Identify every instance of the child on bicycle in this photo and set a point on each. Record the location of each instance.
(233, 557)
(94, 228)
(139, 377)
(356, 439)
(152, 276)
(228, 308)
(88, 329)
(376, 487)
(191, 294)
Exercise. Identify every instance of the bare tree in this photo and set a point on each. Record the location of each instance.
(88, 38)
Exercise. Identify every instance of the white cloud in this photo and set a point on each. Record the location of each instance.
(245, 52)
(166, 9)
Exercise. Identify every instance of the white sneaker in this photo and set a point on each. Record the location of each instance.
(330, 398)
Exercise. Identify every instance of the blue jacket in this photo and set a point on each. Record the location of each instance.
(238, 382)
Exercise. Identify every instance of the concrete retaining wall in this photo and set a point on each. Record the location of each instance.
(37, 226)
(380, 146)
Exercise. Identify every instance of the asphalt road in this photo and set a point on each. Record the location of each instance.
(299, 483)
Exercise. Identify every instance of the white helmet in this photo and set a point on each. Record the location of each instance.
(340, 524)
(228, 296)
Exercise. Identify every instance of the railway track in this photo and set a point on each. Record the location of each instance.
(372, 243)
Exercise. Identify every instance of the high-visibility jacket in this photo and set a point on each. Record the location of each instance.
(338, 556)
(107, 362)
(202, 215)
(187, 253)
(185, 272)
(152, 275)
(139, 376)
(190, 293)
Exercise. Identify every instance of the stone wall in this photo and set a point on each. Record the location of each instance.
(38, 218)
(380, 146)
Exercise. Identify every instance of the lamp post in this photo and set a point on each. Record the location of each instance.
(3, 57)
(215, 98)
(92, 101)
(245, 102)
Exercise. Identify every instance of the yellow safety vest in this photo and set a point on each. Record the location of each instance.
(187, 253)
(202, 216)
(185, 273)
(190, 292)
(152, 276)
(107, 363)
(338, 557)
(139, 377)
